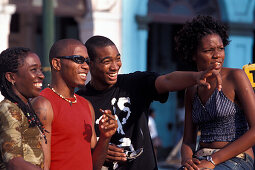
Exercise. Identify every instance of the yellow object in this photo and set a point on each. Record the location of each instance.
(250, 71)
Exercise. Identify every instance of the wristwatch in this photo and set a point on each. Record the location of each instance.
(209, 159)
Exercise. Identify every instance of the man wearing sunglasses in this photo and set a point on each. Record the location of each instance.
(69, 118)
(129, 97)
(76, 58)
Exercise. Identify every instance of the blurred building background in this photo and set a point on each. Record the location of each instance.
(143, 30)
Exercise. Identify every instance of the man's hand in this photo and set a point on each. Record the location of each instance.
(212, 71)
(115, 154)
(108, 124)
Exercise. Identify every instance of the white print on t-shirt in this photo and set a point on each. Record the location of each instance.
(125, 142)
(122, 104)
(119, 129)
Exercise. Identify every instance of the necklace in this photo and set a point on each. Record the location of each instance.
(69, 101)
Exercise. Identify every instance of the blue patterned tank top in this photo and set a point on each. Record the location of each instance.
(219, 119)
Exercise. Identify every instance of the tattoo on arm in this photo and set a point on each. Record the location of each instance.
(41, 113)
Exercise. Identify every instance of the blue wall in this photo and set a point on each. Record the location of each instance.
(134, 40)
(239, 51)
(240, 11)
(237, 12)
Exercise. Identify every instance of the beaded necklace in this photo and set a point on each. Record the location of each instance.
(69, 101)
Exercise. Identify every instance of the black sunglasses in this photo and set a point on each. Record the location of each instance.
(76, 58)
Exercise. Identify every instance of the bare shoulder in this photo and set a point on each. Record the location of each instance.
(235, 74)
(43, 108)
(40, 101)
(232, 72)
(236, 78)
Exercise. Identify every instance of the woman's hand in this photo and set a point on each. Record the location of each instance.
(204, 164)
(191, 164)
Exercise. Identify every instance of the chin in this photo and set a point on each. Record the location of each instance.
(110, 84)
(80, 84)
(36, 94)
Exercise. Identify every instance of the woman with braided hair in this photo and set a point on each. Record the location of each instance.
(21, 133)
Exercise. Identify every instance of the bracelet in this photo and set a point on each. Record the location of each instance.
(209, 159)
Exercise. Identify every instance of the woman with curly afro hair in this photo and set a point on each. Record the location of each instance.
(226, 117)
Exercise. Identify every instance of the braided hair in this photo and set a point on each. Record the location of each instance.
(10, 60)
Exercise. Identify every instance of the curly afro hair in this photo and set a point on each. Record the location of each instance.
(189, 37)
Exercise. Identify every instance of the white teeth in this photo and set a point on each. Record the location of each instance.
(38, 84)
(217, 63)
(113, 75)
(83, 74)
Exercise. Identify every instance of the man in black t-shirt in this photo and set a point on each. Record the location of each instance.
(129, 97)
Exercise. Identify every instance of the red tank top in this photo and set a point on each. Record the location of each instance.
(71, 133)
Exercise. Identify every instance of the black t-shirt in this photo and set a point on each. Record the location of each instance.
(129, 99)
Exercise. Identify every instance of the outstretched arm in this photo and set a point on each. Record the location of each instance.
(107, 126)
(179, 80)
(43, 109)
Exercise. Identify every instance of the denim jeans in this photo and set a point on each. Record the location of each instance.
(236, 164)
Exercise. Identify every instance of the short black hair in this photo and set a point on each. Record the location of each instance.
(189, 37)
(95, 42)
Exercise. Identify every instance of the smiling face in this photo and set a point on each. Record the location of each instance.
(28, 80)
(74, 74)
(105, 67)
(210, 51)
